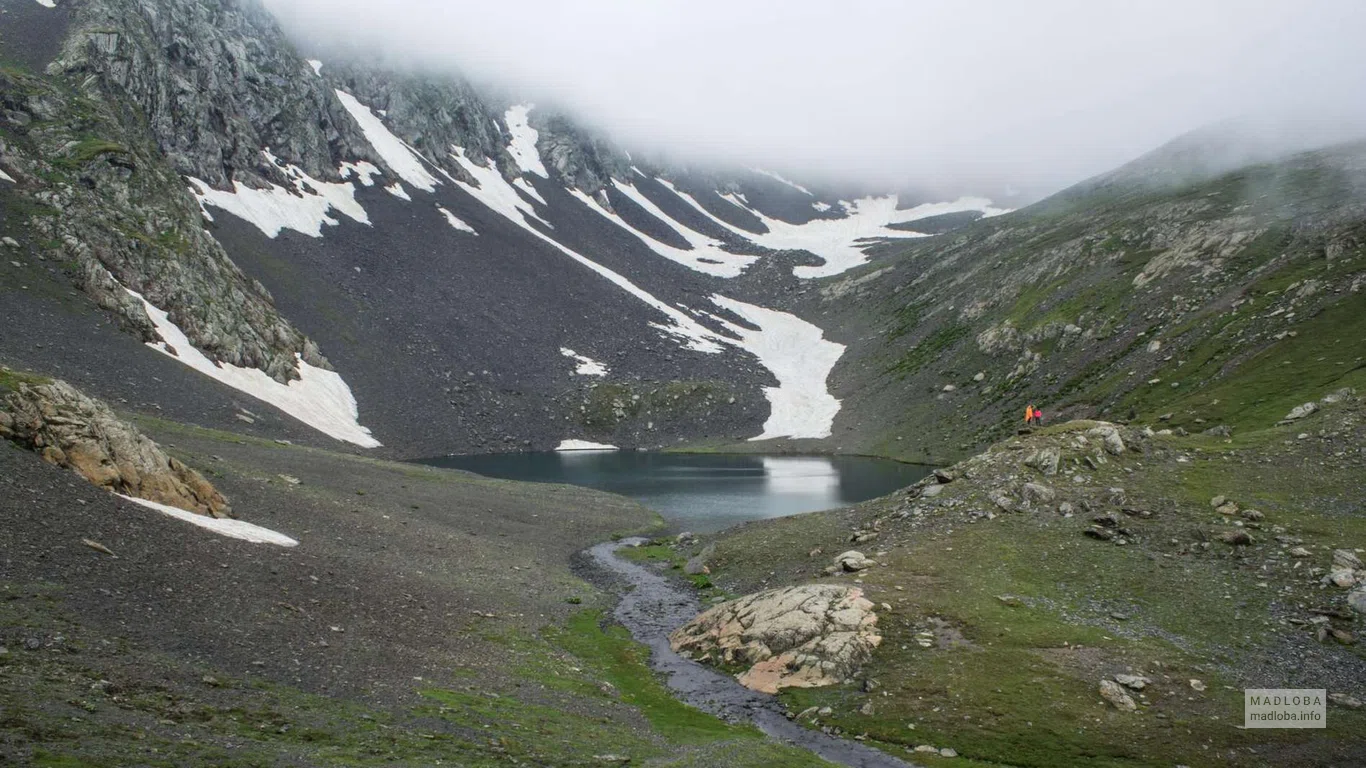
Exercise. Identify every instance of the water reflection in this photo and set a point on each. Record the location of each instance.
(705, 492)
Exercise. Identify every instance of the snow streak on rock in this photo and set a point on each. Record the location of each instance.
(524, 137)
(396, 189)
(800, 358)
(702, 259)
(6, 177)
(495, 192)
(780, 179)
(456, 222)
(316, 65)
(318, 398)
(587, 365)
(276, 208)
(236, 529)
(397, 155)
(705, 255)
(584, 445)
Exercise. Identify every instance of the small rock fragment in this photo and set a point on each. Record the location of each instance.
(98, 547)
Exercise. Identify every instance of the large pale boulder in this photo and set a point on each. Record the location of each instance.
(796, 637)
(71, 430)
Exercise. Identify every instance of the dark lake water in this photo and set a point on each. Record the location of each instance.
(705, 492)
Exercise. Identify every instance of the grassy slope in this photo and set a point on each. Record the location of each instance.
(1029, 614)
(1251, 284)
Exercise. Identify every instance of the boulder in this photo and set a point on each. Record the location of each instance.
(1356, 600)
(1342, 577)
(802, 637)
(1110, 437)
(697, 564)
(1113, 693)
(1300, 411)
(80, 433)
(1045, 460)
(1038, 494)
(853, 560)
(1133, 682)
(1236, 537)
(1346, 559)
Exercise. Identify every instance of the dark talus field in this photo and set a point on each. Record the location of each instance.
(291, 269)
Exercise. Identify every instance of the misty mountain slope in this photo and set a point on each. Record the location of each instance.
(462, 257)
(1221, 304)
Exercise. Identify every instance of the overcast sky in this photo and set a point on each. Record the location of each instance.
(1039, 93)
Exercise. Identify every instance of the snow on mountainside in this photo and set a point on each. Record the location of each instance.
(790, 348)
(424, 233)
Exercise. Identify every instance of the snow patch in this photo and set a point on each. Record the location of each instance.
(316, 65)
(456, 222)
(277, 208)
(531, 192)
(236, 529)
(524, 138)
(841, 242)
(396, 189)
(584, 445)
(494, 190)
(48, 3)
(706, 255)
(365, 172)
(396, 154)
(778, 178)
(820, 206)
(6, 177)
(318, 398)
(800, 358)
(587, 365)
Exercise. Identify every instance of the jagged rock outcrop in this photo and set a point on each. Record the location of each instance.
(584, 162)
(797, 637)
(430, 113)
(217, 82)
(71, 430)
(104, 202)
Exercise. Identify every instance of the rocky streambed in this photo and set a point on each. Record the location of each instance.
(653, 608)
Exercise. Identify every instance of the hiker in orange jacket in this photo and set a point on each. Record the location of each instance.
(1029, 414)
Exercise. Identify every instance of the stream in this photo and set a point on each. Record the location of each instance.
(654, 607)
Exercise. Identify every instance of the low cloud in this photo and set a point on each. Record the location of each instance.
(1034, 94)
